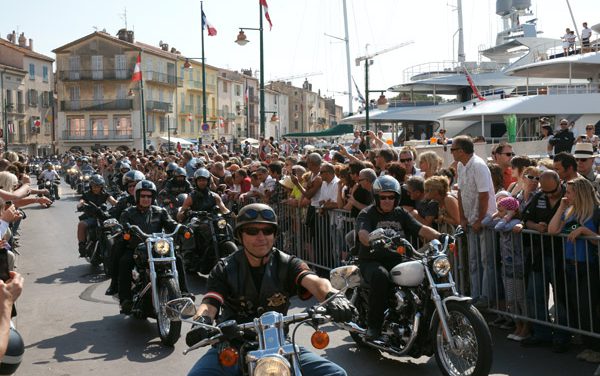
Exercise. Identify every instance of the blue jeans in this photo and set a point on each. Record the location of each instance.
(482, 270)
(537, 300)
(312, 365)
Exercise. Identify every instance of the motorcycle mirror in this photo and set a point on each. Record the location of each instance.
(345, 277)
(182, 308)
(319, 339)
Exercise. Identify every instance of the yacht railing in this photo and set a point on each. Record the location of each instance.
(557, 90)
(443, 68)
(557, 50)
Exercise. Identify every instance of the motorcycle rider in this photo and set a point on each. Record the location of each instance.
(121, 168)
(201, 199)
(98, 196)
(232, 290)
(150, 219)
(130, 180)
(170, 168)
(375, 264)
(176, 185)
(49, 174)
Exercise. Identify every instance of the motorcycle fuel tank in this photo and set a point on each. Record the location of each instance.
(410, 274)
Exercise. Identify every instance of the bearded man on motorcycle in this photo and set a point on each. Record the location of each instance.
(375, 265)
(130, 180)
(97, 196)
(49, 174)
(176, 185)
(150, 219)
(260, 278)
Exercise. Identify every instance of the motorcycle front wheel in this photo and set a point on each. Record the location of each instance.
(169, 331)
(473, 352)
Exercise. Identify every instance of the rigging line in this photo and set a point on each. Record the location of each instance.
(299, 35)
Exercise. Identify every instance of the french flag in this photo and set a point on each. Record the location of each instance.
(205, 24)
(137, 70)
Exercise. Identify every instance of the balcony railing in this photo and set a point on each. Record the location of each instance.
(163, 78)
(77, 135)
(197, 85)
(103, 74)
(15, 108)
(97, 105)
(159, 106)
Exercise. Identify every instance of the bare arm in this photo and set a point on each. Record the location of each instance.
(318, 287)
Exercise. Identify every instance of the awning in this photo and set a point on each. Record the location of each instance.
(338, 130)
(175, 140)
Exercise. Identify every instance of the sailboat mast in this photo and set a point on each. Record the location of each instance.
(347, 42)
(461, 38)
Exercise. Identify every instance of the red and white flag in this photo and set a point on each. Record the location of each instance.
(246, 95)
(11, 127)
(205, 24)
(137, 71)
(190, 118)
(266, 8)
(221, 121)
(473, 87)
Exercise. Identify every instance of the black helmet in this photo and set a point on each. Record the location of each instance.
(386, 183)
(201, 173)
(14, 353)
(97, 179)
(179, 171)
(132, 176)
(144, 185)
(125, 166)
(255, 213)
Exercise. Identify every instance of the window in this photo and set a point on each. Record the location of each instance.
(122, 125)
(9, 99)
(20, 101)
(31, 71)
(45, 73)
(97, 66)
(32, 98)
(150, 122)
(199, 104)
(75, 127)
(182, 102)
(238, 90)
(225, 86)
(46, 99)
(99, 126)
(121, 70)
(121, 92)
(295, 124)
(74, 67)
(162, 123)
(98, 93)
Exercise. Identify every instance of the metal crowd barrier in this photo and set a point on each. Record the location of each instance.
(525, 276)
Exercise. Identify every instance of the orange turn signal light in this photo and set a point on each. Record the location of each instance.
(228, 357)
(401, 250)
(319, 339)
(126, 236)
(187, 235)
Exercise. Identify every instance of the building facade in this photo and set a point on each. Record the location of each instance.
(27, 87)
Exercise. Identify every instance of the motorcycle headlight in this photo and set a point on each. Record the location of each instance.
(161, 247)
(272, 365)
(222, 223)
(86, 177)
(441, 266)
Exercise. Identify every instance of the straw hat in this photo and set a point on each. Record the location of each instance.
(287, 182)
(584, 150)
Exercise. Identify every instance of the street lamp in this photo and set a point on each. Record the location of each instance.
(131, 94)
(242, 41)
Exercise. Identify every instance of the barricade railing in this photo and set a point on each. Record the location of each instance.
(539, 278)
(528, 276)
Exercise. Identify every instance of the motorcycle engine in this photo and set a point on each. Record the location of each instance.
(400, 297)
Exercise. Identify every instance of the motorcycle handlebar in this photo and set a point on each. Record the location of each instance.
(139, 231)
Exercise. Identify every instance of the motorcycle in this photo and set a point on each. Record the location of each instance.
(155, 279)
(83, 185)
(51, 186)
(35, 167)
(426, 314)
(260, 347)
(171, 203)
(100, 238)
(214, 239)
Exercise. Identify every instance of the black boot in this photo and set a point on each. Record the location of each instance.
(113, 288)
(82, 250)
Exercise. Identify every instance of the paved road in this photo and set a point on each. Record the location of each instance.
(71, 328)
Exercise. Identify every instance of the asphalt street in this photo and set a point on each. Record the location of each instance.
(71, 328)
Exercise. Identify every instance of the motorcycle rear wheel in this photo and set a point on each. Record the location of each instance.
(473, 355)
(169, 331)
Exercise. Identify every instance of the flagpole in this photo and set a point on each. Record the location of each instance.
(203, 70)
(143, 113)
(262, 75)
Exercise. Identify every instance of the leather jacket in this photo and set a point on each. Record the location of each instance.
(154, 219)
(203, 200)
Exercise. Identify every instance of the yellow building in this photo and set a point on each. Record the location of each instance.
(189, 101)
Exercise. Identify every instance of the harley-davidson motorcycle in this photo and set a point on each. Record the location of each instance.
(100, 238)
(214, 239)
(155, 279)
(426, 315)
(260, 347)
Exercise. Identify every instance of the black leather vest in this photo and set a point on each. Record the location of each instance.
(203, 200)
(245, 301)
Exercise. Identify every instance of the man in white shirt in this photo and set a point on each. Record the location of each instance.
(328, 195)
(476, 200)
(586, 34)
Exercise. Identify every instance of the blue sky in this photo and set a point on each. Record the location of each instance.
(296, 45)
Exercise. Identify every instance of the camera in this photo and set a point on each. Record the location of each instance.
(364, 133)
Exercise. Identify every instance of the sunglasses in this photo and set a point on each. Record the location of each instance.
(387, 198)
(551, 192)
(582, 159)
(406, 160)
(508, 154)
(454, 149)
(589, 129)
(252, 214)
(253, 231)
(145, 196)
(532, 177)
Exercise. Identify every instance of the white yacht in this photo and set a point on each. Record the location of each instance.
(517, 45)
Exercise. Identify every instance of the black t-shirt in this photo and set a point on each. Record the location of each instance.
(405, 199)
(97, 200)
(364, 197)
(563, 140)
(398, 219)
